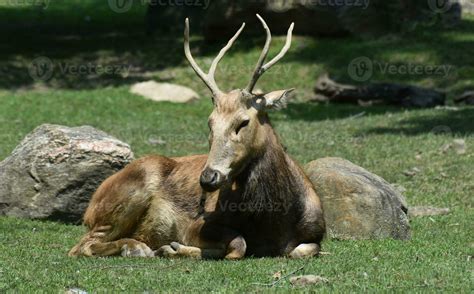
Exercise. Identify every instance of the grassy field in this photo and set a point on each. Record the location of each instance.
(385, 140)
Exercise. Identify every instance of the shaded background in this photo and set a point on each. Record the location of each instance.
(146, 36)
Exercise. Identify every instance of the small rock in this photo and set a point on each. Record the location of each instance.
(411, 172)
(277, 275)
(459, 146)
(307, 280)
(156, 141)
(418, 211)
(445, 148)
(75, 291)
(164, 92)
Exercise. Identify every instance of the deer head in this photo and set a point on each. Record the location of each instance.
(239, 123)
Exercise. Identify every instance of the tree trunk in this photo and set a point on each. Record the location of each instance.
(378, 93)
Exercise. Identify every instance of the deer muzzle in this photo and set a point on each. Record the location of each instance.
(211, 179)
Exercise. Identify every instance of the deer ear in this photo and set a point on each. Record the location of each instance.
(276, 100)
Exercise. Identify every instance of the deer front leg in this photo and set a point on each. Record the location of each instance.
(176, 249)
(207, 241)
(235, 250)
(305, 250)
(123, 247)
(95, 243)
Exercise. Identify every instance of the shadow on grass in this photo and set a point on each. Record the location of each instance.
(84, 33)
(319, 112)
(456, 123)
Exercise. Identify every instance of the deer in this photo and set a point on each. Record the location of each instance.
(247, 197)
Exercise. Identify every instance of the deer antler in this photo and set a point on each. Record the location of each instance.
(208, 78)
(261, 68)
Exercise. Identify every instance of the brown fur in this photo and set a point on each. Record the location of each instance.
(156, 200)
(262, 203)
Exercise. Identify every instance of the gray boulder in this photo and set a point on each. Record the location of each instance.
(358, 204)
(55, 170)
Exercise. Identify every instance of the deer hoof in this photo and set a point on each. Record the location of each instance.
(166, 251)
(138, 250)
(176, 246)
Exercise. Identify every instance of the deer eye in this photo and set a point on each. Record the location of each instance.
(242, 125)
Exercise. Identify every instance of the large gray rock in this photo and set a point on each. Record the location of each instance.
(358, 204)
(55, 170)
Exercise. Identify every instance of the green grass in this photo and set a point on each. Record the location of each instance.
(385, 140)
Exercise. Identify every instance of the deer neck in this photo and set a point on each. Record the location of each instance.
(268, 179)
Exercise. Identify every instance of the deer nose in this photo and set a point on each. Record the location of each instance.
(210, 179)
